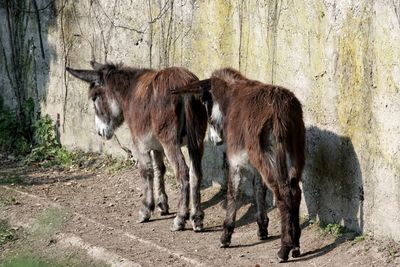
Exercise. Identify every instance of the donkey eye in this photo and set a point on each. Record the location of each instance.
(95, 97)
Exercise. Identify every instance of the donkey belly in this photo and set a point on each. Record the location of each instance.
(149, 142)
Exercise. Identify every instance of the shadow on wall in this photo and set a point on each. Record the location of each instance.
(332, 180)
(26, 55)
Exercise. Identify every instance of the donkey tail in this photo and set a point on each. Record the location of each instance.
(281, 166)
(288, 159)
(196, 126)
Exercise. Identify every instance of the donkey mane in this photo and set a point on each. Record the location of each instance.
(233, 77)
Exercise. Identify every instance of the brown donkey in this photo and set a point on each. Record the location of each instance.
(263, 128)
(159, 123)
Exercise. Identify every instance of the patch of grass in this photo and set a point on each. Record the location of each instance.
(43, 147)
(307, 220)
(33, 249)
(26, 262)
(48, 223)
(37, 260)
(14, 135)
(334, 229)
(7, 234)
(12, 179)
(358, 239)
(97, 161)
(6, 201)
(48, 150)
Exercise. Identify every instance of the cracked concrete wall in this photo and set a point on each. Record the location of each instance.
(341, 58)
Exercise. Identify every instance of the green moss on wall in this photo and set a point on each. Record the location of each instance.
(215, 37)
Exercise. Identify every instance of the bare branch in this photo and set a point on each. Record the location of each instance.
(39, 27)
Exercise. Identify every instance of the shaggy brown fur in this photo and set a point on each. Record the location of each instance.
(262, 126)
(159, 123)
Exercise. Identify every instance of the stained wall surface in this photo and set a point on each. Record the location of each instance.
(341, 59)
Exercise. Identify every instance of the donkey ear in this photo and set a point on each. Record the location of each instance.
(95, 65)
(90, 76)
(195, 88)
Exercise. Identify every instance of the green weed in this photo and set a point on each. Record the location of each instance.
(14, 136)
(6, 233)
(48, 149)
(334, 229)
(358, 239)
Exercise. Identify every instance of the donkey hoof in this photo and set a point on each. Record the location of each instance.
(283, 254)
(197, 225)
(164, 212)
(176, 228)
(262, 235)
(144, 216)
(163, 209)
(178, 225)
(281, 260)
(296, 252)
(198, 228)
(224, 244)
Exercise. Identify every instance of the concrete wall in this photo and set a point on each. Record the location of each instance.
(341, 58)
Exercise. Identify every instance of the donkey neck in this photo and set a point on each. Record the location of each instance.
(124, 82)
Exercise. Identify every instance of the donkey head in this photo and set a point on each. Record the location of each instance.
(210, 92)
(108, 114)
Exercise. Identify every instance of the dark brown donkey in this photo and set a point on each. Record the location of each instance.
(263, 127)
(159, 123)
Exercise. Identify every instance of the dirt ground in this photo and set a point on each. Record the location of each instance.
(88, 218)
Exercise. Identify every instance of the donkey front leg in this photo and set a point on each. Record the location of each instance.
(159, 185)
(234, 181)
(177, 161)
(146, 172)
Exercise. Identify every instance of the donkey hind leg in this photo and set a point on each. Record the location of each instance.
(195, 173)
(159, 184)
(177, 161)
(296, 192)
(294, 167)
(146, 172)
(262, 218)
(234, 181)
(283, 197)
(284, 201)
